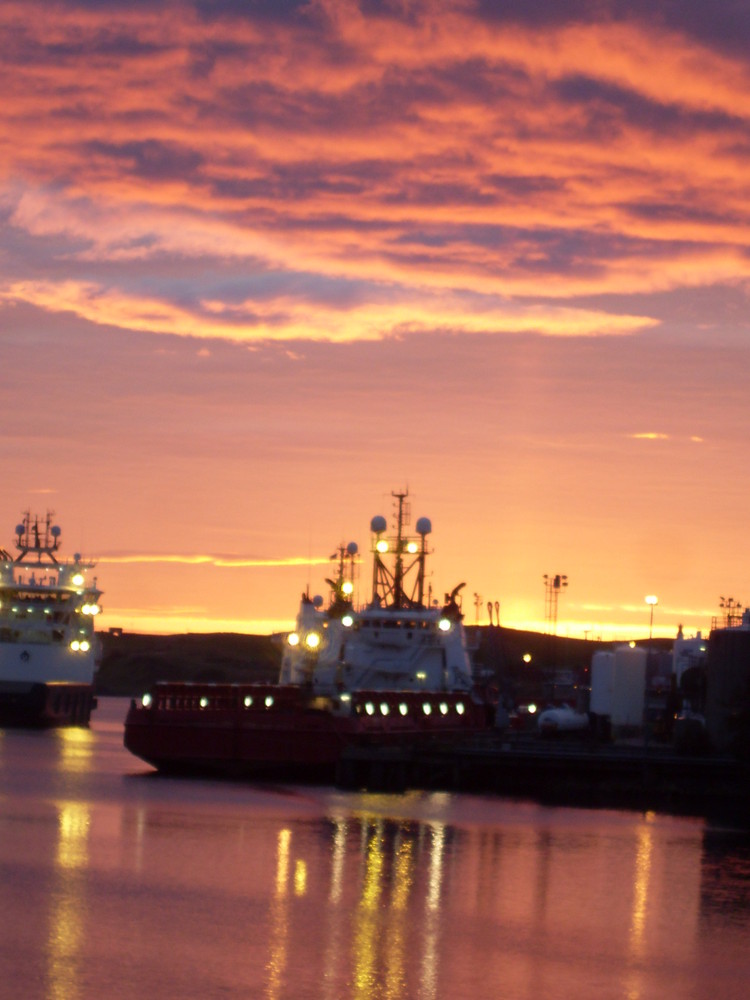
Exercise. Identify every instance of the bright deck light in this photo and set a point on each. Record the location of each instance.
(381, 546)
(444, 624)
(312, 640)
(293, 639)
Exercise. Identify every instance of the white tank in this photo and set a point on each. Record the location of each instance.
(629, 686)
(602, 681)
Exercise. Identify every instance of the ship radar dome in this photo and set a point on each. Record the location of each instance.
(317, 601)
(378, 524)
(424, 526)
(352, 548)
(55, 531)
(19, 529)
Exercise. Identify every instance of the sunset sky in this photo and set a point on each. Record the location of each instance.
(264, 261)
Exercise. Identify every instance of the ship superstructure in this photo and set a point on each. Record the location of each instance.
(400, 640)
(48, 648)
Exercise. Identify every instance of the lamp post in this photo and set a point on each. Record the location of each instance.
(652, 600)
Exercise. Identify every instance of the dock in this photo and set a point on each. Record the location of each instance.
(559, 772)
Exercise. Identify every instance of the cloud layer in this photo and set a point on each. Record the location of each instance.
(340, 170)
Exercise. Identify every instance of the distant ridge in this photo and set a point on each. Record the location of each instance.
(132, 662)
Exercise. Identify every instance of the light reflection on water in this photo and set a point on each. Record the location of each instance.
(118, 884)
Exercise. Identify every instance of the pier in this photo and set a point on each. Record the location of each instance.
(644, 777)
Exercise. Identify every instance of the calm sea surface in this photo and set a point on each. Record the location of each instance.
(117, 883)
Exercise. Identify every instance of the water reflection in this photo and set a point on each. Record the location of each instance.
(67, 904)
(76, 748)
(164, 888)
(641, 879)
(725, 877)
(401, 898)
(279, 917)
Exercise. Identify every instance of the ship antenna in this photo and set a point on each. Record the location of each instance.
(398, 576)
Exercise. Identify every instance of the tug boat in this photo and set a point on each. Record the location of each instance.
(48, 650)
(395, 673)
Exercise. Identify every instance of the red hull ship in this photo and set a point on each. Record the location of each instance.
(395, 673)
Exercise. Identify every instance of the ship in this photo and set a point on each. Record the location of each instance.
(49, 651)
(392, 673)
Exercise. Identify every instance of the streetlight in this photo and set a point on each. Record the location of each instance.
(652, 600)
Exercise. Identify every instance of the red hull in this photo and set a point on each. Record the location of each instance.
(281, 731)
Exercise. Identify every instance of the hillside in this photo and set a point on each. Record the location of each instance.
(131, 662)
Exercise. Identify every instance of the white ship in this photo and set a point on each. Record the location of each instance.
(48, 649)
(401, 641)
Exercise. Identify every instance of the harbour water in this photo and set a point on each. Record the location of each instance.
(119, 883)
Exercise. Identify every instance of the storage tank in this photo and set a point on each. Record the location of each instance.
(629, 686)
(728, 694)
(602, 681)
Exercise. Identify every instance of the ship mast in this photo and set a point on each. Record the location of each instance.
(39, 543)
(398, 574)
(389, 589)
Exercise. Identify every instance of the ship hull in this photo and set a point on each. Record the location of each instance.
(284, 733)
(39, 705)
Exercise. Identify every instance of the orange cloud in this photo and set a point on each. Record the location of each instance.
(528, 165)
(232, 562)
